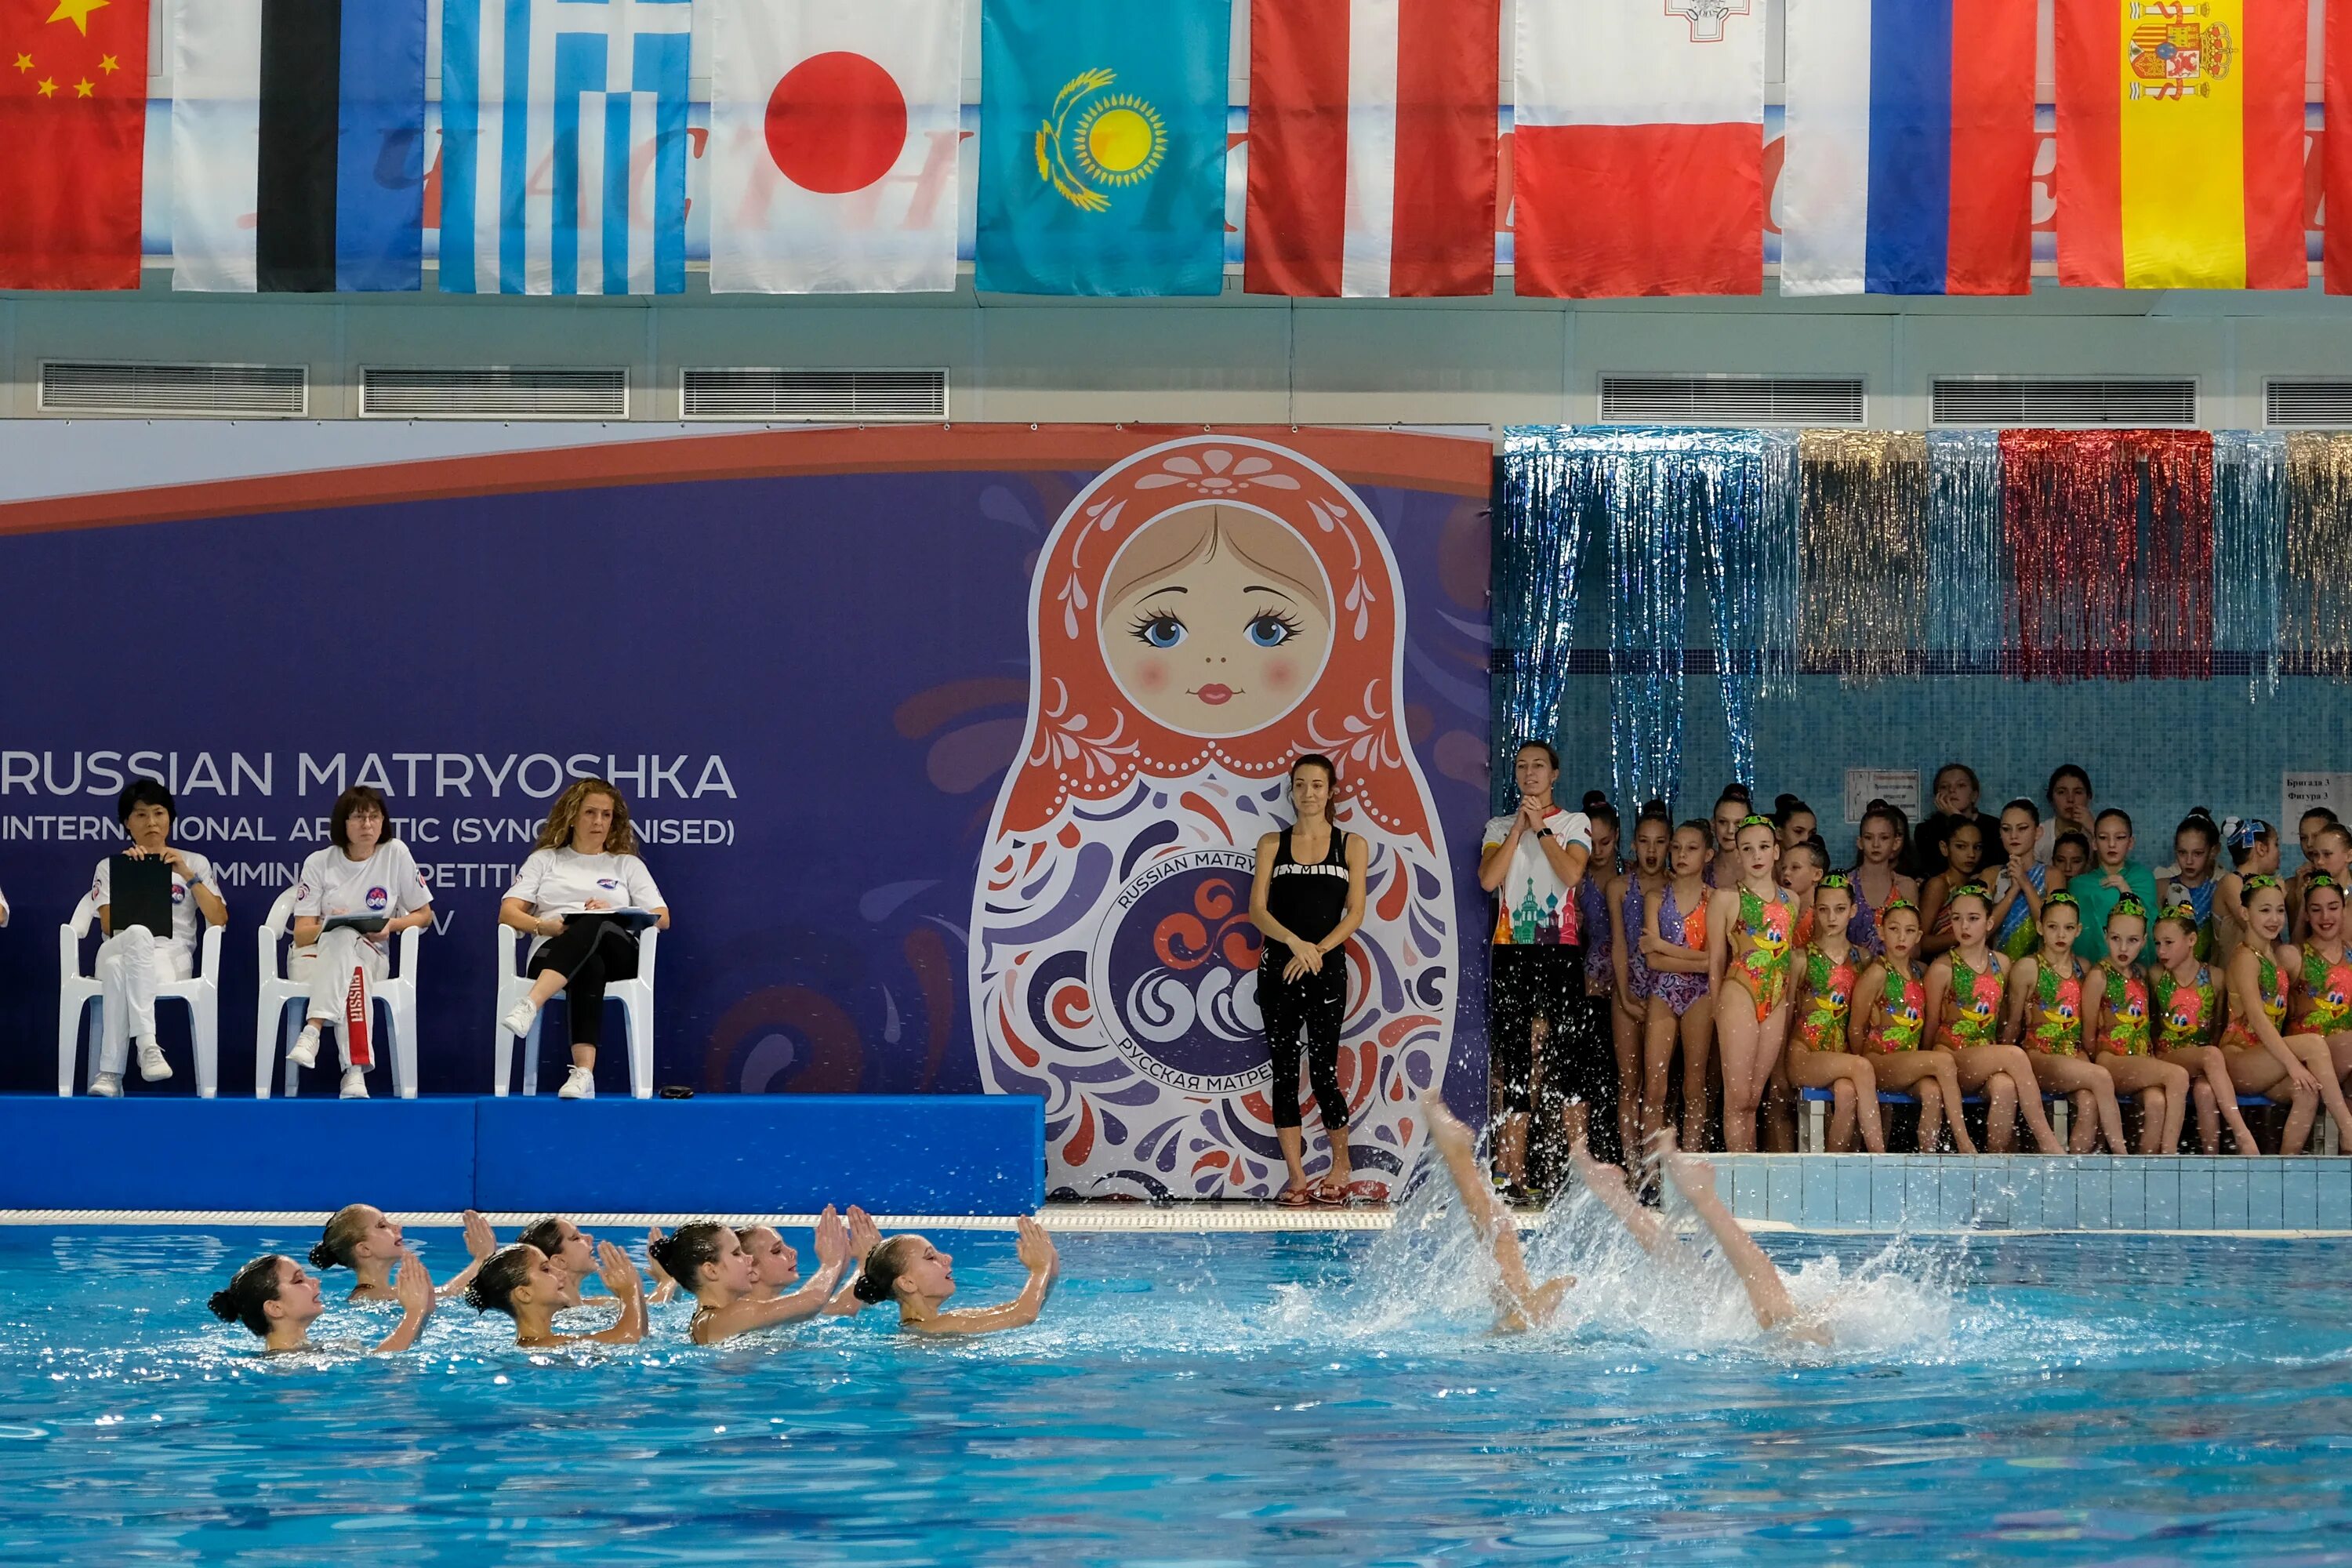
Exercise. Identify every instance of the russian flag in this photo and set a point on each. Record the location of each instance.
(1909, 147)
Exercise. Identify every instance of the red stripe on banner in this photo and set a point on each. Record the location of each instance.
(1294, 224)
(355, 1020)
(2090, 144)
(1991, 238)
(1604, 211)
(2277, 34)
(2336, 149)
(1449, 71)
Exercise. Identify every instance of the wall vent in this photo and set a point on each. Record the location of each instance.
(492, 392)
(2309, 405)
(860, 397)
(1731, 400)
(84, 387)
(2061, 400)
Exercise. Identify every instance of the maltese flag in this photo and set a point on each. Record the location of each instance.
(1637, 147)
(834, 145)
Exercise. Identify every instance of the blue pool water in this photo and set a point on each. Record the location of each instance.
(1222, 1399)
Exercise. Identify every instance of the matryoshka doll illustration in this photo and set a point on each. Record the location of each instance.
(1203, 612)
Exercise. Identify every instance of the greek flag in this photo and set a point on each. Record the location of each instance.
(563, 146)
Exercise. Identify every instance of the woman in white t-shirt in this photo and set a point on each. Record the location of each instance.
(585, 865)
(133, 962)
(362, 874)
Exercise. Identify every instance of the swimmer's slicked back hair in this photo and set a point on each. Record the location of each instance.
(252, 1287)
(683, 1255)
(546, 1235)
(877, 1279)
(494, 1283)
(341, 1236)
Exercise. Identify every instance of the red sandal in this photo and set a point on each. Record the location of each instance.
(1295, 1199)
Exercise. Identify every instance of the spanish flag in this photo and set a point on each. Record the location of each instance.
(2181, 143)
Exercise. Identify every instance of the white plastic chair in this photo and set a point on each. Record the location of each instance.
(79, 992)
(636, 997)
(275, 1029)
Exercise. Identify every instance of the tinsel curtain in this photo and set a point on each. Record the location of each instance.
(2110, 537)
(1967, 629)
(1747, 523)
(1864, 552)
(2250, 509)
(1540, 533)
(2317, 593)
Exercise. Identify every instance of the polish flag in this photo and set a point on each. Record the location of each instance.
(834, 145)
(1372, 147)
(1637, 147)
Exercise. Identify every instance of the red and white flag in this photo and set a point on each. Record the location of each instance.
(1637, 147)
(834, 145)
(1373, 127)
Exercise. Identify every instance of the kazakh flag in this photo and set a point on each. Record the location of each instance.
(1102, 146)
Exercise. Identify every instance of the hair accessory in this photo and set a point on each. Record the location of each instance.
(2319, 879)
(2256, 884)
(2185, 914)
(1753, 820)
(2127, 905)
(1978, 889)
(2240, 832)
(1834, 880)
(2061, 897)
(1898, 902)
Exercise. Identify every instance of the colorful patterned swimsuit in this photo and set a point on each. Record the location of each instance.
(1640, 979)
(1676, 990)
(2060, 1030)
(2184, 1011)
(1763, 963)
(1829, 993)
(2125, 1012)
(2238, 1037)
(1593, 921)
(1906, 1004)
(2328, 987)
(1976, 1002)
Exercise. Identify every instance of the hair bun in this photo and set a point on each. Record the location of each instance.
(663, 1250)
(869, 1289)
(224, 1306)
(324, 1256)
(474, 1296)
(1877, 803)
(1595, 798)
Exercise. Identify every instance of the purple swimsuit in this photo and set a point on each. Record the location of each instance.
(1676, 990)
(1640, 979)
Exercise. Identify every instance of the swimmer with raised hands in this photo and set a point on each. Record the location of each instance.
(711, 1261)
(365, 1239)
(278, 1299)
(919, 1277)
(528, 1286)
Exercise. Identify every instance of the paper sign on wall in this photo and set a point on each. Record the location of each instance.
(1898, 787)
(2300, 792)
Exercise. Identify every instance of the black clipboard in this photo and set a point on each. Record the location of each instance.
(366, 925)
(630, 920)
(139, 893)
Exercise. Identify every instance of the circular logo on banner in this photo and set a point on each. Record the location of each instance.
(377, 898)
(1175, 973)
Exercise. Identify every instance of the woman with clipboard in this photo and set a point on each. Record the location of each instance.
(140, 954)
(353, 898)
(582, 896)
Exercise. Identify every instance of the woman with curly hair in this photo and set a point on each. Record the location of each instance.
(582, 898)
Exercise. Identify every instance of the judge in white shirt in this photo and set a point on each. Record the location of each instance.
(586, 863)
(364, 875)
(134, 962)
(4, 908)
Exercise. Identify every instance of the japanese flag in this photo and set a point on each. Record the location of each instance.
(834, 145)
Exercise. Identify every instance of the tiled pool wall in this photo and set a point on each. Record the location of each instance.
(1941, 1192)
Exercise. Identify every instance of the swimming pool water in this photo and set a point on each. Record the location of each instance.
(1221, 1399)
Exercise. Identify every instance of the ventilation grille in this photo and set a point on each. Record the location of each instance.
(2051, 400)
(493, 393)
(848, 395)
(2309, 405)
(1731, 400)
(76, 386)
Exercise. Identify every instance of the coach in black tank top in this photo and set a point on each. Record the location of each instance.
(1308, 900)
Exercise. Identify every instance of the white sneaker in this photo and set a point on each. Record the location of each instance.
(107, 1086)
(519, 1018)
(304, 1053)
(152, 1065)
(581, 1085)
(355, 1083)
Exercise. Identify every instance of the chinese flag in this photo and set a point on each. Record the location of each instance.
(73, 120)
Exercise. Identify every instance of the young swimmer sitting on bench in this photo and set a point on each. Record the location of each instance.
(1521, 1304)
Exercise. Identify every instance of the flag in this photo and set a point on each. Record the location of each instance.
(563, 146)
(1637, 147)
(835, 141)
(2335, 150)
(2181, 144)
(73, 121)
(1102, 146)
(1372, 136)
(1910, 146)
(298, 144)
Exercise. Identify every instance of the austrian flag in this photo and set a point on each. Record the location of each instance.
(1637, 147)
(1374, 131)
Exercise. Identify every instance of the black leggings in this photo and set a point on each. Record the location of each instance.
(589, 955)
(1313, 1004)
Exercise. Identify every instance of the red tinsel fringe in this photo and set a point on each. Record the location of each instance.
(2111, 552)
